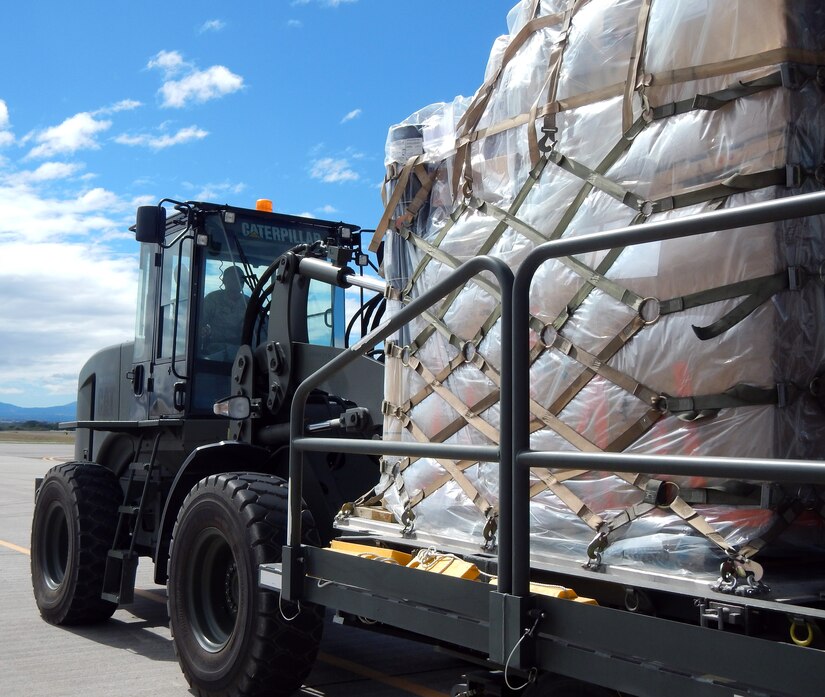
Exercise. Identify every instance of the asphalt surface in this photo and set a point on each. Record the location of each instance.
(132, 655)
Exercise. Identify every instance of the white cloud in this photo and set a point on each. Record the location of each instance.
(78, 132)
(166, 140)
(200, 86)
(331, 171)
(354, 114)
(4, 115)
(6, 136)
(170, 62)
(217, 192)
(145, 200)
(194, 85)
(211, 25)
(48, 171)
(328, 210)
(88, 301)
(83, 317)
(122, 105)
(33, 216)
(295, 23)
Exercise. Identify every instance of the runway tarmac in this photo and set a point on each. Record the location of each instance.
(132, 655)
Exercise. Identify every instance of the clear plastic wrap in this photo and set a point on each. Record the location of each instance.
(572, 134)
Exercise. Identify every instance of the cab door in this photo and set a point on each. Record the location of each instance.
(159, 364)
(170, 375)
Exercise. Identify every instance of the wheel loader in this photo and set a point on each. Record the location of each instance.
(235, 307)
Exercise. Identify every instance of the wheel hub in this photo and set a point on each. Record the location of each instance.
(230, 588)
(212, 590)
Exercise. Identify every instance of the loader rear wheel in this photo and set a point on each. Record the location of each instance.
(75, 518)
(230, 636)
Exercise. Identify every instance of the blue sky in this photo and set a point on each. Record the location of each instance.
(108, 105)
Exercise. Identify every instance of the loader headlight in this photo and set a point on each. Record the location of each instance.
(236, 407)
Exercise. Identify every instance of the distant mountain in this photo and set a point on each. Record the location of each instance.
(65, 412)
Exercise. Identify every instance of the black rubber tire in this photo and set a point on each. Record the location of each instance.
(229, 634)
(74, 523)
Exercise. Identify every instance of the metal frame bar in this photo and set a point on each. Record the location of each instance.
(739, 662)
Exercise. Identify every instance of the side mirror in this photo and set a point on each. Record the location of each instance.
(151, 224)
(236, 407)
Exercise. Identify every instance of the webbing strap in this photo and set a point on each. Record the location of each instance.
(611, 288)
(470, 119)
(710, 101)
(679, 507)
(764, 289)
(758, 291)
(634, 65)
(433, 486)
(476, 109)
(485, 248)
(734, 184)
(426, 180)
(756, 61)
(693, 518)
(635, 431)
(393, 202)
(577, 384)
(451, 467)
(448, 225)
(741, 395)
(550, 88)
(473, 419)
(785, 514)
(569, 499)
(717, 100)
(597, 366)
(570, 434)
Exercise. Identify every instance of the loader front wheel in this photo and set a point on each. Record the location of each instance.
(75, 518)
(231, 636)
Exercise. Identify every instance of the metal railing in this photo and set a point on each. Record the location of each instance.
(513, 453)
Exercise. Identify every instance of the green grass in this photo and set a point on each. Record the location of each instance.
(36, 437)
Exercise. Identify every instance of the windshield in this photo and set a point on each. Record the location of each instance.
(240, 248)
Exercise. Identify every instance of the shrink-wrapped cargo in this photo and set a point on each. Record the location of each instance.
(597, 115)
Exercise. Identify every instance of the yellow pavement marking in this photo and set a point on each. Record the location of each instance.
(377, 676)
(352, 667)
(14, 547)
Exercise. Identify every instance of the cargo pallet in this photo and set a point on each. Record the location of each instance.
(699, 643)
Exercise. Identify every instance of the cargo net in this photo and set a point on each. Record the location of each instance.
(597, 115)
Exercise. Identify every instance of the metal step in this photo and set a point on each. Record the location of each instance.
(119, 576)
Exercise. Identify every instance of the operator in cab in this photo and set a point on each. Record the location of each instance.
(223, 313)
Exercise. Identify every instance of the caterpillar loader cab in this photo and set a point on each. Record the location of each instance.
(182, 434)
